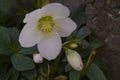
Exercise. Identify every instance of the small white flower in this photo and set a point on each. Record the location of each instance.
(74, 59)
(44, 27)
(37, 58)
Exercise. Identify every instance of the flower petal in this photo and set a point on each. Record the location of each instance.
(67, 26)
(50, 48)
(28, 37)
(33, 16)
(58, 11)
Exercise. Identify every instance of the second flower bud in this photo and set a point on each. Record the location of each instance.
(74, 59)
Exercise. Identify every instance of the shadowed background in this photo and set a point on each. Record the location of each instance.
(103, 18)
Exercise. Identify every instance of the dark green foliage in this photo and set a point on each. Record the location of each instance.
(30, 74)
(7, 6)
(95, 73)
(22, 62)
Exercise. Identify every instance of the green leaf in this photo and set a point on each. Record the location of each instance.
(85, 53)
(4, 37)
(102, 64)
(95, 73)
(8, 74)
(14, 35)
(7, 6)
(26, 51)
(9, 40)
(12, 74)
(83, 32)
(22, 62)
(96, 44)
(91, 47)
(30, 74)
(4, 42)
(5, 50)
(74, 75)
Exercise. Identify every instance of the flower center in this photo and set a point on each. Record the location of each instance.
(46, 24)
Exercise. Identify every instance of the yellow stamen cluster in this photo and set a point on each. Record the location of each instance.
(46, 24)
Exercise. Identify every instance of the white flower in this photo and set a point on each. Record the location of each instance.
(74, 59)
(44, 27)
(37, 58)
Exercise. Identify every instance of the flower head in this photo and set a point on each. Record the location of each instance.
(44, 27)
(74, 59)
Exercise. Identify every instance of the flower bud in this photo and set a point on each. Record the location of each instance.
(74, 59)
(73, 45)
(37, 58)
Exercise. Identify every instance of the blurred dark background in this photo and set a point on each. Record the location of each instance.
(103, 18)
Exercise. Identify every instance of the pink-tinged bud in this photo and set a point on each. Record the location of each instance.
(37, 58)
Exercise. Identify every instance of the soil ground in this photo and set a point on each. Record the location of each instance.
(103, 18)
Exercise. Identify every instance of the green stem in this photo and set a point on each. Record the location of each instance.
(85, 69)
(55, 65)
